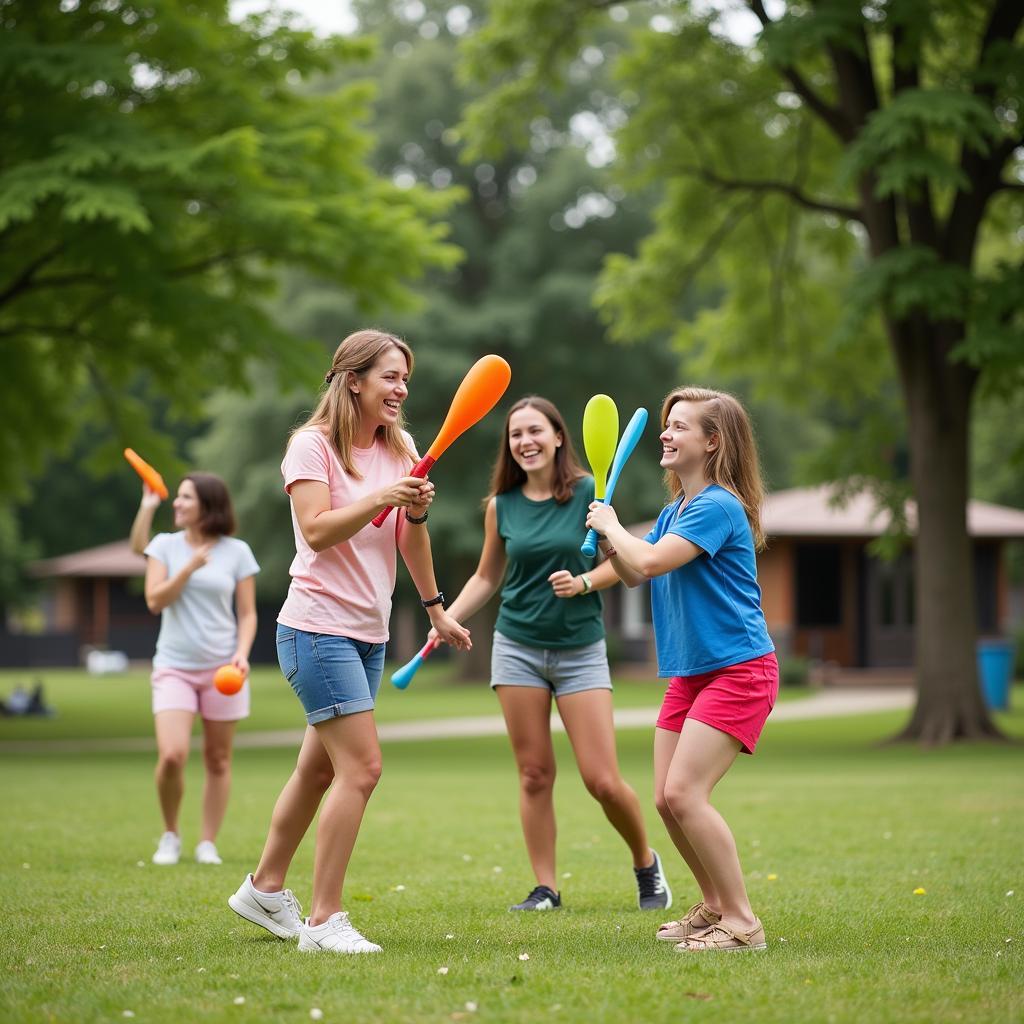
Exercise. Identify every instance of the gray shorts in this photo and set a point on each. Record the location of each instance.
(560, 670)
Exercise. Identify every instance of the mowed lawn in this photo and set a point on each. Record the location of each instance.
(835, 831)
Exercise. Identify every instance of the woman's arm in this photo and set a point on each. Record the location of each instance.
(601, 577)
(245, 612)
(161, 591)
(640, 560)
(142, 526)
(481, 586)
(323, 526)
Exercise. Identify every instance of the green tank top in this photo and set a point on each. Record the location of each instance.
(541, 537)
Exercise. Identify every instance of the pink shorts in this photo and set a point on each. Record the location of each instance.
(192, 689)
(736, 699)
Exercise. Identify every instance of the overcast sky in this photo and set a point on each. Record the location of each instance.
(325, 16)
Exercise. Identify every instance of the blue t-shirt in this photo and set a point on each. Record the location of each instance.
(707, 613)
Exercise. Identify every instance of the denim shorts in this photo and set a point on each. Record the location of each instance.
(560, 670)
(331, 675)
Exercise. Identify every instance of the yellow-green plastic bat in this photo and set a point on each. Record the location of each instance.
(600, 436)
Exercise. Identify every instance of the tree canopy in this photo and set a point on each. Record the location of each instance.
(847, 189)
(159, 164)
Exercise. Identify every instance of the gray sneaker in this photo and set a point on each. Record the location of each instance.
(653, 892)
(278, 912)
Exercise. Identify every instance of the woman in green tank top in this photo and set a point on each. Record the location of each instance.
(549, 641)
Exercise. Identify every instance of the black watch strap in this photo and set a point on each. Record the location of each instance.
(434, 600)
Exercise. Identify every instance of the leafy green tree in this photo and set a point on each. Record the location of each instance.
(159, 164)
(852, 179)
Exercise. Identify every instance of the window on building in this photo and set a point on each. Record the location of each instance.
(818, 585)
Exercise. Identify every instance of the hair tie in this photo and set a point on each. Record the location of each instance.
(329, 377)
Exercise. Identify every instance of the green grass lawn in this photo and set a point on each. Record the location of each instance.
(119, 705)
(835, 831)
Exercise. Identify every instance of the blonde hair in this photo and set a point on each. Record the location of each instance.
(734, 462)
(337, 413)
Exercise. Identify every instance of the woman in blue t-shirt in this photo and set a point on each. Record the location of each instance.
(201, 582)
(712, 643)
(549, 641)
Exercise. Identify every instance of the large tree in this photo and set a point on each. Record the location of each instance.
(159, 163)
(853, 164)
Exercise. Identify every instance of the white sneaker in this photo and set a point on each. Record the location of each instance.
(335, 935)
(168, 849)
(206, 853)
(278, 912)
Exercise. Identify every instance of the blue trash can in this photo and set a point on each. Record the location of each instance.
(995, 667)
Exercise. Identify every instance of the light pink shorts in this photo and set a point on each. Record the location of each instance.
(192, 689)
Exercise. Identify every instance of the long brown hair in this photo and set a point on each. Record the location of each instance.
(734, 462)
(216, 514)
(337, 413)
(507, 474)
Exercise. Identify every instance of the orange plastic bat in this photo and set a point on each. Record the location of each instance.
(477, 395)
(149, 475)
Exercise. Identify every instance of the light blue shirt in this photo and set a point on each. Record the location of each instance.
(199, 630)
(707, 613)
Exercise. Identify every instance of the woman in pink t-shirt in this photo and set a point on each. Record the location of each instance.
(342, 467)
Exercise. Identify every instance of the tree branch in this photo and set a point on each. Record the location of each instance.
(715, 240)
(982, 170)
(783, 187)
(905, 77)
(24, 280)
(831, 115)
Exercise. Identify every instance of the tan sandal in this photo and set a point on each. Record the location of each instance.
(721, 938)
(697, 919)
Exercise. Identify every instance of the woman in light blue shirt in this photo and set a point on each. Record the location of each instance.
(201, 581)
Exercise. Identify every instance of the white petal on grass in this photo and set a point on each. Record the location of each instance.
(200, 970)
(239, 1000)
(26, 865)
(1010, 893)
(399, 888)
(466, 857)
(524, 956)
(127, 1013)
(140, 863)
(449, 936)
(471, 1006)
(498, 869)
(567, 874)
(442, 970)
(316, 1013)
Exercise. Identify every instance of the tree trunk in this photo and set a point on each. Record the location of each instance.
(937, 393)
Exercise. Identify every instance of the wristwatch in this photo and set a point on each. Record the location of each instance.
(434, 600)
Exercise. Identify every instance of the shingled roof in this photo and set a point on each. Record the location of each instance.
(811, 512)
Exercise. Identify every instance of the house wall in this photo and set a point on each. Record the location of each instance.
(775, 574)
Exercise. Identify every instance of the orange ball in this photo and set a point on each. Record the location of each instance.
(228, 679)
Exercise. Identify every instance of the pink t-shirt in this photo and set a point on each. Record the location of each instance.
(346, 589)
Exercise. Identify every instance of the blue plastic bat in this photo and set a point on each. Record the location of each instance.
(402, 677)
(628, 441)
